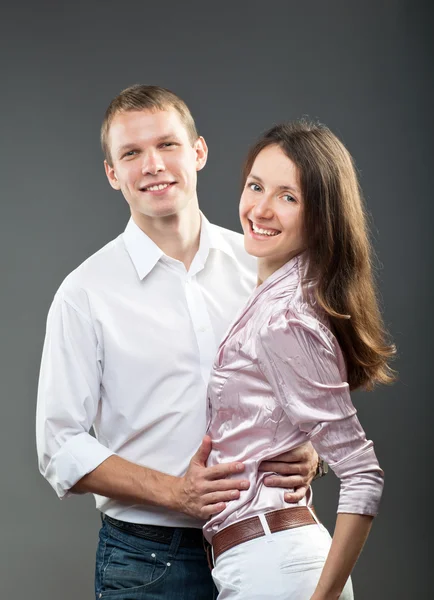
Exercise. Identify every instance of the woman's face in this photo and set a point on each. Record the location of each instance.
(271, 208)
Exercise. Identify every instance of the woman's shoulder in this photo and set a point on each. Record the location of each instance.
(302, 335)
(298, 315)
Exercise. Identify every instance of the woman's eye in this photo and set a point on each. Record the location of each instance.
(289, 198)
(254, 187)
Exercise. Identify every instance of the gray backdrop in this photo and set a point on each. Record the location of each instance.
(363, 68)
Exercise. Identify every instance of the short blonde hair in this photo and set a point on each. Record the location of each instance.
(145, 97)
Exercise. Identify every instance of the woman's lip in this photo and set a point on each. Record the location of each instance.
(262, 236)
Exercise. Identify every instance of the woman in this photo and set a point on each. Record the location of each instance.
(310, 333)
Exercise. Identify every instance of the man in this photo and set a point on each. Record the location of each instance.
(131, 337)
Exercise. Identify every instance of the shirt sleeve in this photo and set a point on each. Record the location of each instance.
(68, 398)
(304, 366)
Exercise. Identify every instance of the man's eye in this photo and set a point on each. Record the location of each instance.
(168, 144)
(130, 153)
(254, 187)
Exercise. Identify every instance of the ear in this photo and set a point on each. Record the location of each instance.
(111, 176)
(201, 150)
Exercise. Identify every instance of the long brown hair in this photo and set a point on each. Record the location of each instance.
(340, 254)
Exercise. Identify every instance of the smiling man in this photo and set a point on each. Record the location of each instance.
(131, 337)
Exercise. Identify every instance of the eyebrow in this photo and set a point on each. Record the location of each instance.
(279, 187)
(122, 149)
(167, 136)
(164, 138)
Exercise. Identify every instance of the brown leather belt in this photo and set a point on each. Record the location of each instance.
(250, 529)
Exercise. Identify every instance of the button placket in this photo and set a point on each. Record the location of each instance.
(202, 326)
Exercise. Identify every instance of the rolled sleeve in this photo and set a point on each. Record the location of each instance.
(68, 397)
(304, 366)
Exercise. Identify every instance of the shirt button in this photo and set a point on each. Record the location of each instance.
(201, 329)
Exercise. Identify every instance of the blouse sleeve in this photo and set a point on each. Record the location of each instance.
(303, 363)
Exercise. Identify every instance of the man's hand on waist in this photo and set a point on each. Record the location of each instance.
(295, 469)
(203, 491)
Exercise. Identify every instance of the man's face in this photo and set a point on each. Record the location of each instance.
(154, 163)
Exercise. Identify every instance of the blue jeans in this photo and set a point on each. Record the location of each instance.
(129, 567)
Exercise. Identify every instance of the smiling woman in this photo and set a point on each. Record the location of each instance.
(271, 210)
(309, 333)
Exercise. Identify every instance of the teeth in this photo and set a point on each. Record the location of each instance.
(263, 231)
(154, 188)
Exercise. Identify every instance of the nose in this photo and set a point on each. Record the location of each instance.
(152, 163)
(263, 208)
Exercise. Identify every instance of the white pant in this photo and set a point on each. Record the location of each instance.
(284, 565)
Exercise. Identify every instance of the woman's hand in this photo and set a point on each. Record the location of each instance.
(295, 469)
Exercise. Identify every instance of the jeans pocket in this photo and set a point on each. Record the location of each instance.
(127, 571)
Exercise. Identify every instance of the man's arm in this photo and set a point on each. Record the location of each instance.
(74, 461)
(296, 470)
(200, 493)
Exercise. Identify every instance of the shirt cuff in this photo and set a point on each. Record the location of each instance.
(362, 483)
(76, 458)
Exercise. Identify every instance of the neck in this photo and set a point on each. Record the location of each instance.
(176, 235)
(268, 266)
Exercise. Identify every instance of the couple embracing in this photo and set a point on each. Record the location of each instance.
(180, 334)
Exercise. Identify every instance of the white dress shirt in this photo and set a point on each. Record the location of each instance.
(131, 338)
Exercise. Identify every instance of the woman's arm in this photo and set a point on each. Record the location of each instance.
(349, 537)
(304, 366)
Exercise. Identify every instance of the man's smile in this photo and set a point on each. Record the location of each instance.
(158, 187)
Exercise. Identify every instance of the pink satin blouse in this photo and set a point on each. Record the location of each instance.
(278, 380)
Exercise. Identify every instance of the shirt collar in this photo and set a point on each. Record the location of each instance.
(145, 253)
(215, 238)
(290, 274)
(291, 271)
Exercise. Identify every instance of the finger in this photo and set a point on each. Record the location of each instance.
(281, 468)
(296, 495)
(272, 465)
(217, 497)
(223, 470)
(293, 481)
(301, 453)
(225, 485)
(212, 509)
(203, 452)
